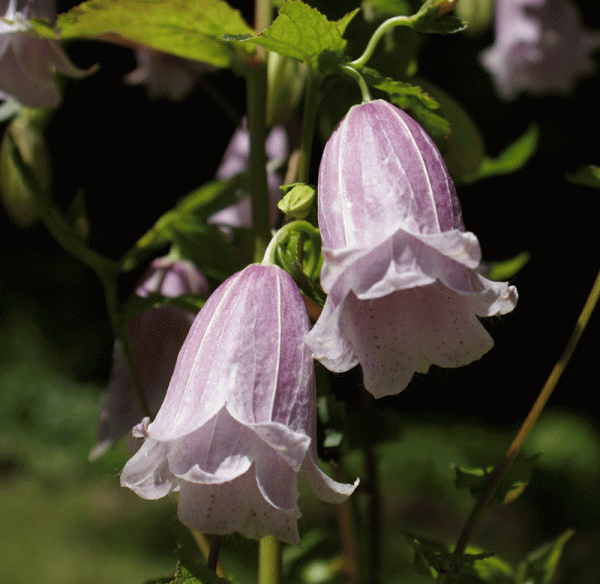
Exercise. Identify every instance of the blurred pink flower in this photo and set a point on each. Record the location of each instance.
(238, 423)
(156, 336)
(540, 47)
(399, 268)
(235, 161)
(27, 63)
(165, 75)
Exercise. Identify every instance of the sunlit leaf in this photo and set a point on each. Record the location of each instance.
(303, 33)
(540, 566)
(187, 28)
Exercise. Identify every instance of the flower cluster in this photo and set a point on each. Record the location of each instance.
(238, 423)
(399, 268)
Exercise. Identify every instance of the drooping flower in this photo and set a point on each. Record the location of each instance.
(27, 62)
(399, 268)
(235, 160)
(155, 336)
(238, 423)
(540, 47)
(165, 75)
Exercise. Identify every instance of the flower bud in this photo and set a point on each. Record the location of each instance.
(399, 268)
(238, 423)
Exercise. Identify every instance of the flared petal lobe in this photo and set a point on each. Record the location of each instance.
(238, 423)
(399, 268)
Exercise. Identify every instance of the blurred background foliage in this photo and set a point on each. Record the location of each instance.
(66, 521)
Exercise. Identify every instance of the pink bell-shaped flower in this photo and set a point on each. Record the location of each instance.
(238, 423)
(156, 336)
(27, 62)
(540, 47)
(399, 268)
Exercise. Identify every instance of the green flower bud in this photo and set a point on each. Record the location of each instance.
(298, 201)
(23, 145)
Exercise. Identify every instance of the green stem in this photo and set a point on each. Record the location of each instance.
(378, 35)
(483, 502)
(364, 89)
(256, 77)
(105, 268)
(270, 569)
(311, 103)
(298, 225)
(213, 554)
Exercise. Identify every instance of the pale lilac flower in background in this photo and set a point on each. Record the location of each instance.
(235, 161)
(238, 424)
(540, 47)
(156, 336)
(399, 268)
(166, 75)
(27, 63)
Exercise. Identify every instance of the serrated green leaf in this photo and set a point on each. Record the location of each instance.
(303, 33)
(432, 18)
(187, 28)
(540, 565)
(588, 176)
(406, 96)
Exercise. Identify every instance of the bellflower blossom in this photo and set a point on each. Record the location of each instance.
(399, 268)
(27, 62)
(165, 75)
(540, 47)
(235, 160)
(156, 336)
(238, 423)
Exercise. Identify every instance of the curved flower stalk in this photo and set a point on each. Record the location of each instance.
(238, 423)
(540, 47)
(399, 268)
(27, 62)
(156, 336)
(235, 160)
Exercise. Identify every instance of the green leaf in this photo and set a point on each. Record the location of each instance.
(588, 176)
(510, 487)
(513, 158)
(540, 566)
(432, 18)
(188, 28)
(197, 206)
(407, 96)
(207, 247)
(432, 557)
(303, 33)
(201, 575)
(504, 270)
